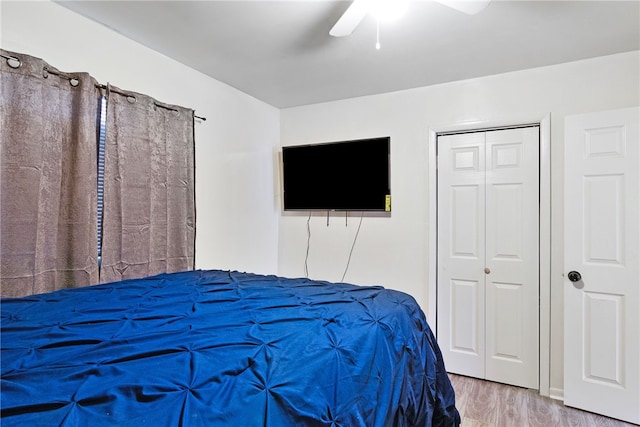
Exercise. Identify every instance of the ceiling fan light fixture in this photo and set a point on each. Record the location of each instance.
(387, 10)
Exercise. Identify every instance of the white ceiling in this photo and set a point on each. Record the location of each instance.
(281, 51)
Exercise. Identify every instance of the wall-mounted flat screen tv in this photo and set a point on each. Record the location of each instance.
(344, 176)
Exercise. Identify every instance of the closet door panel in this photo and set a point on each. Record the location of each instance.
(461, 253)
(512, 218)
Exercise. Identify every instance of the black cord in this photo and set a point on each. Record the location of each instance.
(306, 258)
(352, 246)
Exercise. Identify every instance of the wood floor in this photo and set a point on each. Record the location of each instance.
(488, 404)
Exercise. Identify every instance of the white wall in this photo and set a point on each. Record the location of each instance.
(394, 251)
(237, 217)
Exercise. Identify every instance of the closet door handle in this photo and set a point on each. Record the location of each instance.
(487, 270)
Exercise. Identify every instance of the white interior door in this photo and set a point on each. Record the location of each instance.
(602, 252)
(488, 283)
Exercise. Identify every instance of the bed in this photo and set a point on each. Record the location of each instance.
(221, 348)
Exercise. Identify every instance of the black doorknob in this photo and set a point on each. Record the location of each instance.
(574, 276)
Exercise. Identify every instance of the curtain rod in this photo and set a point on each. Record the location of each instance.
(15, 62)
(129, 95)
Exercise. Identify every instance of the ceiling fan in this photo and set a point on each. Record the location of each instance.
(359, 8)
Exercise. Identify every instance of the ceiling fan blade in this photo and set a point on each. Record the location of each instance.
(470, 7)
(350, 19)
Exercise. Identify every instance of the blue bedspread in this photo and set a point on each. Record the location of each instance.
(219, 348)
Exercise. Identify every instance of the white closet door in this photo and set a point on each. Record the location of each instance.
(488, 287)
(602, 252)
(461, 308)
(512, 256)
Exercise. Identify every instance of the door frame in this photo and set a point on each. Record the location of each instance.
(544, 121)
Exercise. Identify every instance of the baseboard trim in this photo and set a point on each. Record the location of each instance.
(556, 393)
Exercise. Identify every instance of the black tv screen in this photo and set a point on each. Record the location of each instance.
(345, 176)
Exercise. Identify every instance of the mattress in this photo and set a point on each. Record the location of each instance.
(221, 348)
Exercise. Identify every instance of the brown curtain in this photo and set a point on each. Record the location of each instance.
(149, 204)
(47, 177)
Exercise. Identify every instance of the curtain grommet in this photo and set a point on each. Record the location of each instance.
(14, 62)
